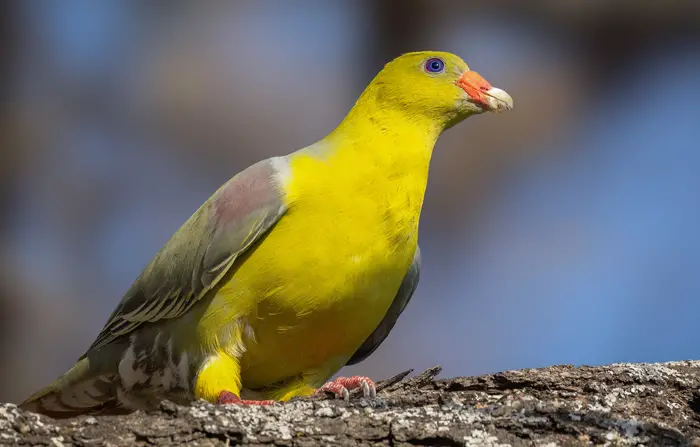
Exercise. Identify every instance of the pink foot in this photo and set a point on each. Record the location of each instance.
(340, 387)
(228, 398)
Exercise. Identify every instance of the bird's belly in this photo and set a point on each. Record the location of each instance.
(313, 307)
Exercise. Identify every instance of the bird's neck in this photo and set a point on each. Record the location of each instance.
(395, 141)
(374, 165)
(383, 156)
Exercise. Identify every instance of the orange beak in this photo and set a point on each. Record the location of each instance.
(482, 93)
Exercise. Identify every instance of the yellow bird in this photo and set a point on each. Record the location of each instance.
(297, 266)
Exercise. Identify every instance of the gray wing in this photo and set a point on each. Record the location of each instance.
(408, 286)
(200, 253)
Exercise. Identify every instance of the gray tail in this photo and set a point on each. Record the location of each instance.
(75, 392)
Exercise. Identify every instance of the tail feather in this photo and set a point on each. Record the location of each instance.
(75, 392)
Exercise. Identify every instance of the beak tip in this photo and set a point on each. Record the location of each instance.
(499, 100)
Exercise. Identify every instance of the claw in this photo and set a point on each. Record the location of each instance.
(340, 387)
(337, 389)
(228, 398)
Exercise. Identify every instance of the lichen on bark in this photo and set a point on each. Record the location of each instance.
(621, 404)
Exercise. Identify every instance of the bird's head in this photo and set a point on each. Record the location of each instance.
(438, 85)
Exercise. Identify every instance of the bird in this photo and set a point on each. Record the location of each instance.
(297, 266)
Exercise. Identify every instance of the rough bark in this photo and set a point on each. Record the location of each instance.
(621, 404)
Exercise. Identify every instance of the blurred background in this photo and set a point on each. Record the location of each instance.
(565, 231)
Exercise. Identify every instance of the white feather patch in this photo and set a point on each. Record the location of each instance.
(284, 172)
(129, 373)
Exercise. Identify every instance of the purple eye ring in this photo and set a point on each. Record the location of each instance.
(434, 65)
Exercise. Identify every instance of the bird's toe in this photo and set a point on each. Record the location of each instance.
(341, 387)
(229, 398)
(338, 390)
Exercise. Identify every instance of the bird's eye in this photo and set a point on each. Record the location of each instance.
(434, 65)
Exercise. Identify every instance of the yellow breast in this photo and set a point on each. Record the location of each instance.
(322, 279)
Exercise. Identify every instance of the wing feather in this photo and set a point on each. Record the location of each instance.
(202, 251)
